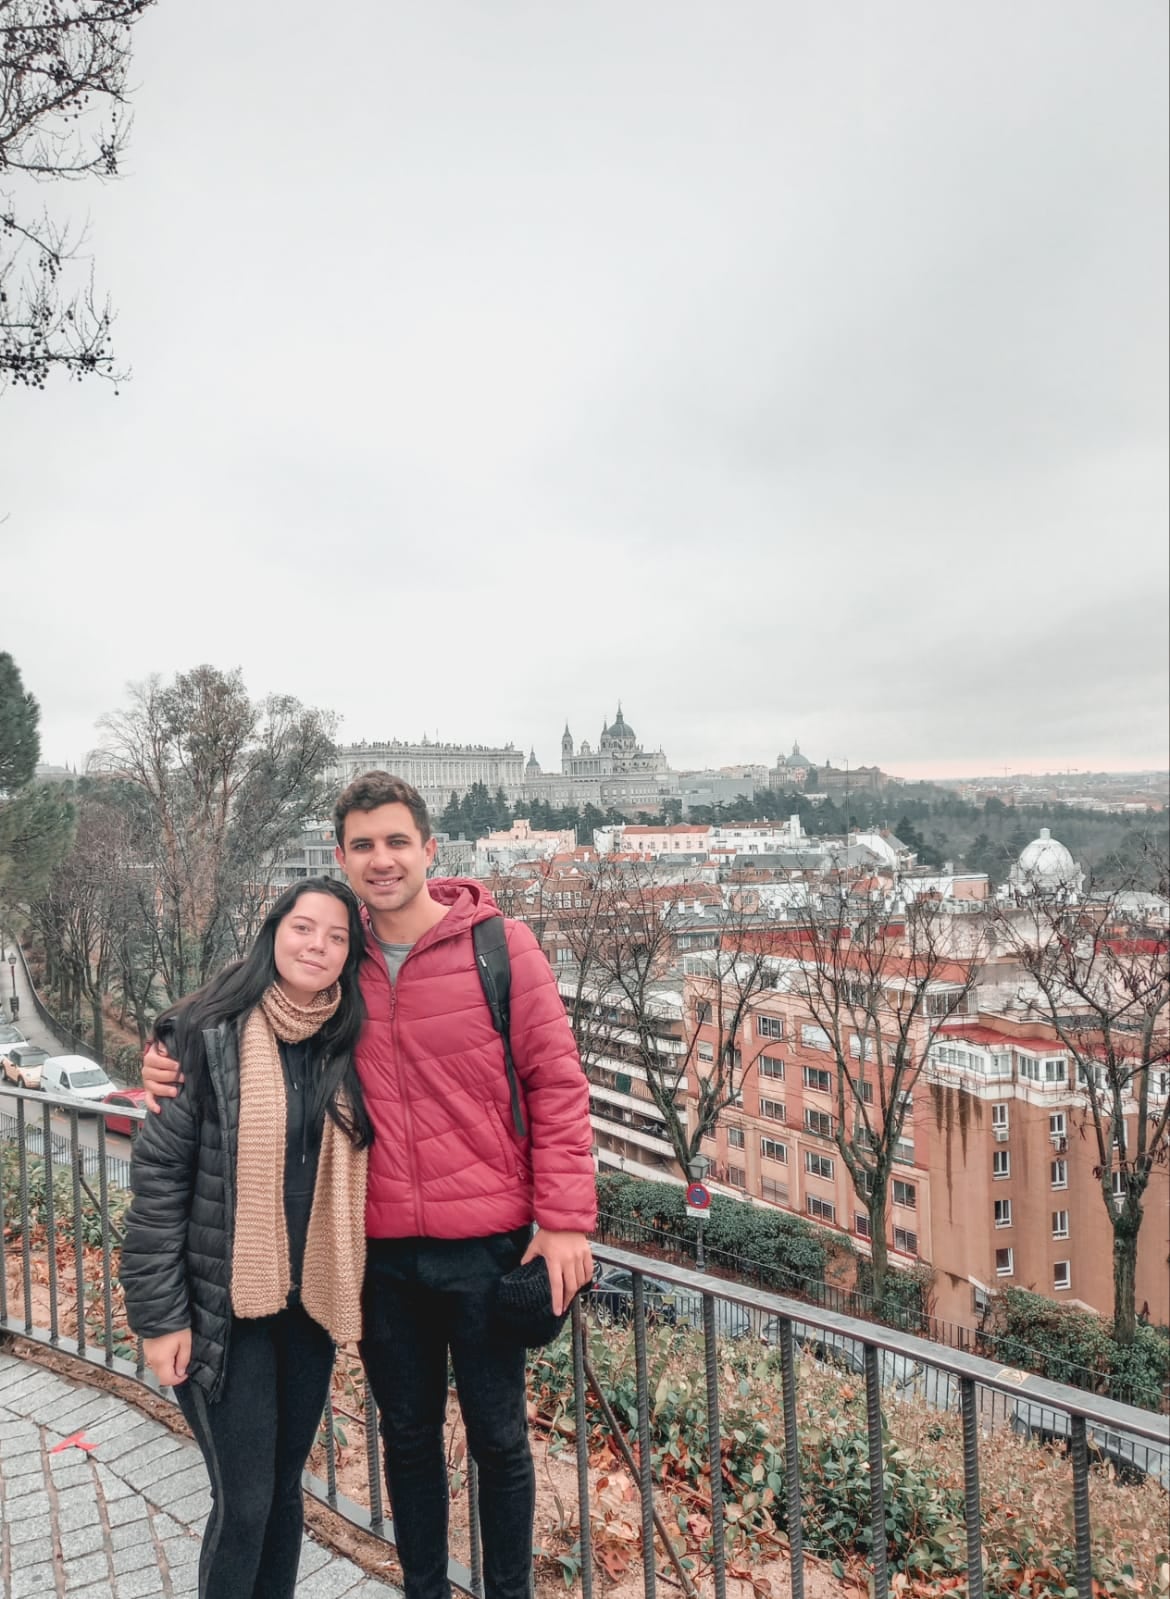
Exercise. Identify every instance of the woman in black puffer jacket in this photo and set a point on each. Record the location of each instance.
(245, 1240)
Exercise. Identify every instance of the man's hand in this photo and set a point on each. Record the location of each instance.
(569, 1260)
(169, 1356)
(160, 1076)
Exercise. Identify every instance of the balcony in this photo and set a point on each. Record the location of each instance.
(789, 1380)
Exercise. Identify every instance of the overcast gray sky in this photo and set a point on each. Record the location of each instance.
(785, 370)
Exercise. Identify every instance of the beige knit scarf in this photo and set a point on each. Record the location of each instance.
(335, 1252)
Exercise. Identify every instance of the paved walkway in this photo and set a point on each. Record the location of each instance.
(121, 1520)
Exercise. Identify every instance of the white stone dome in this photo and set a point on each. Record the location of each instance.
(1047, 863)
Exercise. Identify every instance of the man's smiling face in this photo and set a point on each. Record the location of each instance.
(384, 856)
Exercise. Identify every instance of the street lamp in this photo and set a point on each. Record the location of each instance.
(697, 1168)
(13, 1003)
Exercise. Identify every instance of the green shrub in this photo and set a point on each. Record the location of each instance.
(786, 1252)
(1077, 1347)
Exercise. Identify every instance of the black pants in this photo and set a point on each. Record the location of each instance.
(255, 1439)
(423, 1297)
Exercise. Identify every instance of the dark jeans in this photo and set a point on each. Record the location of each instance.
(255, 1439)
(423, 1297)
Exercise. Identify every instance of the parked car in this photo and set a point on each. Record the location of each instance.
(22, 1064)
(75, 1076)
(131, 1098)
(611, 1299)
(10, 1034)
(1132, 1458)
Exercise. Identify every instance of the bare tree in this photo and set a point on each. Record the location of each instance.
(63, 95)
(1097, 972)
(223, 783)
(878, 985)
(631, 997)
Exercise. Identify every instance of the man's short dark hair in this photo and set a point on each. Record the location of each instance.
(372, 789)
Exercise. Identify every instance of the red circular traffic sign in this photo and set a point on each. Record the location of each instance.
(698, 1196)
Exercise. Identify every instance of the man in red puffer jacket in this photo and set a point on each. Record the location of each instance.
(453, 1189)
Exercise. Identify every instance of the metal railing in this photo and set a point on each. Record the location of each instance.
(962, 1390)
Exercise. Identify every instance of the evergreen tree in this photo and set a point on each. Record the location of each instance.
(36, 820)
(20, 744)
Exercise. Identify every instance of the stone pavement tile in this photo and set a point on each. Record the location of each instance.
(149, 1464)
(185, 1582)
(26, 1458)
(79, 1409)
(166, 1526)
(95, 1590)
(29, 1528)
(76, 1513)
(17, 1430)
(192, 1508)
(133, 1508)
(373, 1589)
(138, 1437)
(171, 1489)
(114, 1426)
(32, 1580)
(34, 1550)
(128, 1534)
(82, 1540)
(136, 1557)
(79, 1573)
(112, 1485)
(181, 1551)
(142, 1584)
(331, 1581)
(313, 1556)
(31, 1507)
(69, 1476)
(37, 1388)
(17, 1485)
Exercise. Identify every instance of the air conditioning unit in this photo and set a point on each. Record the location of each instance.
(1001, 1135)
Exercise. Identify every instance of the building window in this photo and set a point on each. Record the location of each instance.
(1057, 1126)
(819, 1122)
(1061, 1274)
(864, 1092)
(1001, 1163)
(775, 1193)
(855, 1047)
(814, 1037)
(769, 1066)
(980, 1301)
(821, 1081)
(706, 1051)
(1056, 1071)
(1004, 1263)
(772, 1149)
(820, 1208)
(906, 1241)
(1060, 1224)
(905, 1194)
(774, 1109)
(1003, 1213)
(736, 1177)
(1117, 1184)
(861, 1225)
(735, 1138)
(818, 1165)
(904, 1151)
(999, 1116)
(703, 1012)
(769, 1027)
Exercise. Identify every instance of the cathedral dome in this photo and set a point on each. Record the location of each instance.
(1047, 863)
(620, 729)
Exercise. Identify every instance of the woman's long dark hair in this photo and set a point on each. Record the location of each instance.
(238, 989)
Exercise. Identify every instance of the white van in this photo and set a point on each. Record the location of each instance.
(75, 1076)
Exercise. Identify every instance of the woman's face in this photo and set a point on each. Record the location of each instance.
(312, 942)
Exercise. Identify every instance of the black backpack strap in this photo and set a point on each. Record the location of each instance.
(490, 941)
